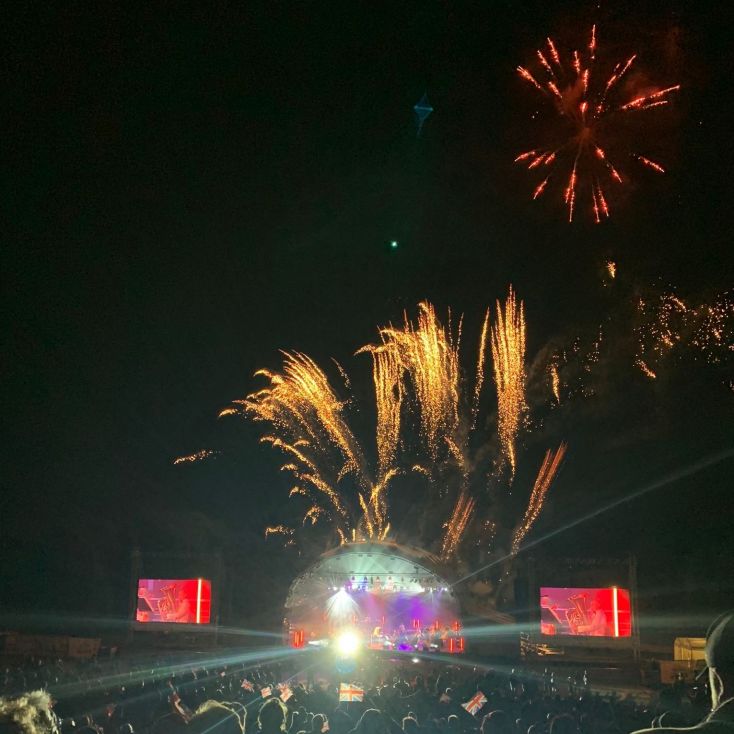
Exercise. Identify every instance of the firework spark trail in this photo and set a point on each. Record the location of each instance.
(639, 102)
(570, 194)
(378, 503)
(525, 74)
(546, 475)
(555, 381)
(580, 96)
(611, 269)
(479, 382)
(192, 458)
(320, 484)
(302, 397)
(301, 405)
(523, 156)
(645, 369)
(540, 188)
(592, 42)
(455, 527)
(554, 52)
(313, 513)
(387, 378)
(508, 355)
(431, 360)
(291, 449)
(545, 63)
(650, 164)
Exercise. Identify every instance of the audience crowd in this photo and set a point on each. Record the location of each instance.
(294, 696)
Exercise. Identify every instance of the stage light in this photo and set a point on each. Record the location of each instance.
(416, 660)
(347, 644)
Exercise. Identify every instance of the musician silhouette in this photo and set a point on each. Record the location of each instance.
(597, 625)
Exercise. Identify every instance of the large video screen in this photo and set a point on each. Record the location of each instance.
(585, 612)
(174, 601)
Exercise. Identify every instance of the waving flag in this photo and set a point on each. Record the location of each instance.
(349, 692)
(265, 692)
(285, 692)
(475, 703)
(248, 685)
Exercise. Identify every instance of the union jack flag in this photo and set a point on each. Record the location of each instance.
(350, 693)
(265, 692)
(475, 703)
(248, 685)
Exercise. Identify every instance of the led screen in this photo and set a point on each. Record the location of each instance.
(585, 612)
(174, 601)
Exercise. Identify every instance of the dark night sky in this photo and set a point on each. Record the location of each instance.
(190, 190)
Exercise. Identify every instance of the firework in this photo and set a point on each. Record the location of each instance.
(480, 368)
(555, 381)
(456, 525)
(588, 116)
(387, 378)
(303, 407)
(429, 355)
(508, 354)
(546, 475)
(192, 458)
(669, 324)
(426, 416)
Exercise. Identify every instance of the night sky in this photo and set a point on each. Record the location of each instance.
(188, 191)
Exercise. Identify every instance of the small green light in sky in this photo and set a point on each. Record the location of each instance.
(394, 244)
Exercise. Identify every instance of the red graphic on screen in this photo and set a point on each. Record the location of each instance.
(177, 601)
(585, 612)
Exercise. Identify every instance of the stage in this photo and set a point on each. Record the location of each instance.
(386, 596)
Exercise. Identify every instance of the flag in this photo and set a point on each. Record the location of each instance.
(444, 698)
(248, 685)
(350, 693)
(265, 692)
(285, 692)
(475, 703)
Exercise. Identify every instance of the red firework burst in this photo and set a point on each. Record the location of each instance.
(594, 119)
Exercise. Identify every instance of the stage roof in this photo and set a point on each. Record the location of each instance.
(386, 567)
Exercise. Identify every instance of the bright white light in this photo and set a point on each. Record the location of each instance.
(347, 643)
(340, 607)
(416, 660)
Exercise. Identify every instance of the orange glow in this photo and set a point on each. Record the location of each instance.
(540, 188)
(650, 164)
(544, 61)
(525, 74)
(554, 52)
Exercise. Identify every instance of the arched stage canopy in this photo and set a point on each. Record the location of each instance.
(376, 583)
(387, 567)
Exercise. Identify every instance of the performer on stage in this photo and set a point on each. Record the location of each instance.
(550, 621)
(597, 625)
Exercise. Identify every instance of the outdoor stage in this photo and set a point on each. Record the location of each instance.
(382, 595)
